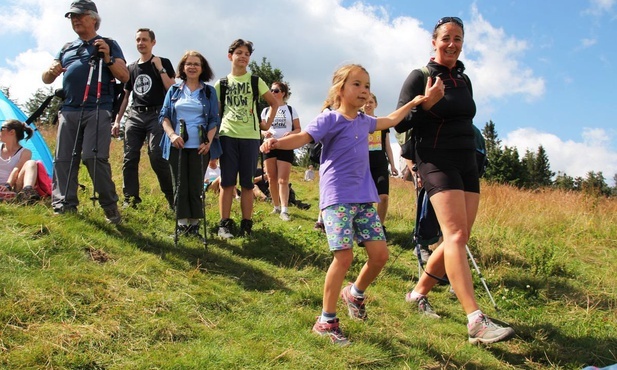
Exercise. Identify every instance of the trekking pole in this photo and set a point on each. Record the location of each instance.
(95, 149)
(176, 201)
(203, 137)
(475, 265)
(81, 118)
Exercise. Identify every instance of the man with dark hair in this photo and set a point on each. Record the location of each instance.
(149, 79)
(85, 118)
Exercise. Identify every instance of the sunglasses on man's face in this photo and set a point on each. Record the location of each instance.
(4, 128)
(443, 20)
(275, 91)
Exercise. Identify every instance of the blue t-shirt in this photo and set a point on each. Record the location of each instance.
(76, 59)
(190, 109)
(345, 175)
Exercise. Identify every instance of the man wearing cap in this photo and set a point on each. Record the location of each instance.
(149, 79)
(78, 128)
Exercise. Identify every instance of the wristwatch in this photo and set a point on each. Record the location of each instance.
(162, 70)
(111, 61)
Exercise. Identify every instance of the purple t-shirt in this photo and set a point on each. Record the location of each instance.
(344, 171)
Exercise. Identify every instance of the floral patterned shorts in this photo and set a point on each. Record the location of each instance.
(348, 221)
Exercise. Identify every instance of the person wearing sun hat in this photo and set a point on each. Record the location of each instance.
(80, 135)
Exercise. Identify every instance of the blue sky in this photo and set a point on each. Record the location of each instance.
(543, 71)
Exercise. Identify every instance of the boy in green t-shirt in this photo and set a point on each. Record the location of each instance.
(239, 136)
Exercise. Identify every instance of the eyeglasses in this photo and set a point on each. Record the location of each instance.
(193, 64)
(443, 20)
(275, 91)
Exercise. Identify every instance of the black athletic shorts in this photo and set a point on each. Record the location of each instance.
(442, 169)
(381, 177)
(280, 155)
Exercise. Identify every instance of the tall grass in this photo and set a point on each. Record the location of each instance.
(79, 293)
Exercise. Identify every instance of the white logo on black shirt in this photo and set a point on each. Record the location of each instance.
(142, 85)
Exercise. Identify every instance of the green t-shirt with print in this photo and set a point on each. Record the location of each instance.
(240, 119)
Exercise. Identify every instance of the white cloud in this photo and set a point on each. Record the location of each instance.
(593, 153)
(599, 7)
(490, 52)
(586, 42)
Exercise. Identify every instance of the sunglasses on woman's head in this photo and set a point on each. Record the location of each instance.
(443, 20)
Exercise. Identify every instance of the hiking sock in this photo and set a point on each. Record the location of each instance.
(284, 209)
(193, 221)
(472, 317)
(277, 209)
(415, 296)
(183, 221)
(327, 316)
(356, 292)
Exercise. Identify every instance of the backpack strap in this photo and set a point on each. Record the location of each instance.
(255, 90)
(223, 92)
(291, 113)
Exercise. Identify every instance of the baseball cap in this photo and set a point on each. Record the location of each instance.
(81, 6)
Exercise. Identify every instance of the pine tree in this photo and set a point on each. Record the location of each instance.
(564, 182)
(50, 114)
(542, 168)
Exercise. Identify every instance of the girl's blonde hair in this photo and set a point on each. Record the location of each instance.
(338, 80)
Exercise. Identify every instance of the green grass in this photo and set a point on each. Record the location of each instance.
(78, 293)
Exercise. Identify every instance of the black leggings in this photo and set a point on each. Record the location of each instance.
(442, 169)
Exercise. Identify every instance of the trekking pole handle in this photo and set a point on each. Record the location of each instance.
(203, 136)
(183, 133)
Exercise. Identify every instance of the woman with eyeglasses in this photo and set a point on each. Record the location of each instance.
(446, 162)
(19, 174)
(190, 120)
(278, 162)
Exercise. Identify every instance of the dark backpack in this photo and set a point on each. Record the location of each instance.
(427, 230)
(224, 83)
(314, 152)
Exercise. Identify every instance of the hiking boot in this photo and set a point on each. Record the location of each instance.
(225, 228)
(332, 329)
(246, 226)
(285, 216)
(485, 331)
(130, 202)
(112, 215)
(28, 195)
(319, 226)
(355, 305)
(424, 307)
(63, 210)
(193, 230)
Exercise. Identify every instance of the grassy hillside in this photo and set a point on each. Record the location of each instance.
(79, 293)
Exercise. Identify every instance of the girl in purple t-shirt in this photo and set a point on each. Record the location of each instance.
(347, 190)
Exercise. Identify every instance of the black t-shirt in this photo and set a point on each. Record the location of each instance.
(146, 84)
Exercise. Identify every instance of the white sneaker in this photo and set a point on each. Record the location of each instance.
(275, 211)
(285, 216)
(483, 330)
